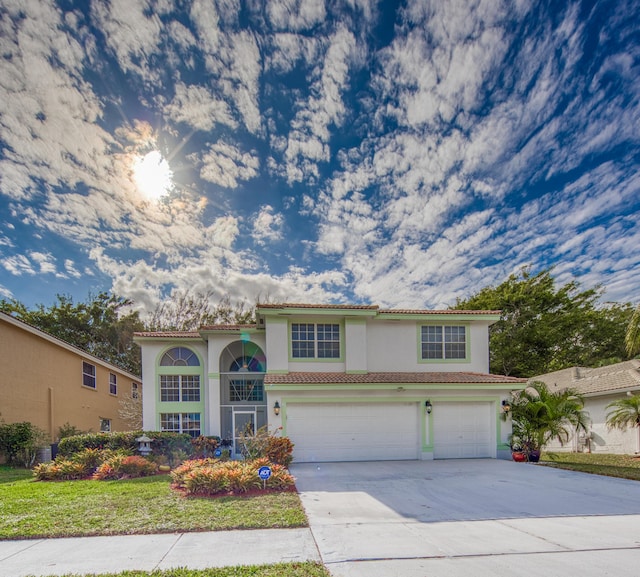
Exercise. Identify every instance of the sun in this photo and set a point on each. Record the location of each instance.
(153, 175)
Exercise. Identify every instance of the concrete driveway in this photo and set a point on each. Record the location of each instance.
(469, 517)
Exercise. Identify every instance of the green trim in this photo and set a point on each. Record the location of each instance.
(446, 318)
(292, 359)
(467, 338)
(307, 311)
(356, 372)
(386, 386)
(213, 376)
(179, 407)
(278, 372)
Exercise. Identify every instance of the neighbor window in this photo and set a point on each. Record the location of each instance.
(181, 423)
(105, 425)
(444, 342)
(134, 391)
(88, 375)
(319, 341)
(113, 384)
(177, 388)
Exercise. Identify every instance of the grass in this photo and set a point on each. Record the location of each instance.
(308, 569)
(623, 466)
(36, 509)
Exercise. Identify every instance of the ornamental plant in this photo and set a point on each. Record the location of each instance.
(125, 467)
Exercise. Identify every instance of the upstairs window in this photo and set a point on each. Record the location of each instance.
(444, 342)
(179, 357)
(134, 391)
(315, 341)
(180, 388)
(88, 375)
(113, 384)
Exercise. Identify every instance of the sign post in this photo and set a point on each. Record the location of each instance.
(264, 473)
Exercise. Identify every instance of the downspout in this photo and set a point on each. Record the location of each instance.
(51, 421)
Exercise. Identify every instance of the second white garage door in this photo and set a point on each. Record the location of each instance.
(463, 430)
(323, 432)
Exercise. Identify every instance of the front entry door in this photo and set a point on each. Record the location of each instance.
(244, 421)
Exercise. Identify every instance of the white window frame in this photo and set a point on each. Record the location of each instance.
(449, 342)
(315, 344)
(88, 376)
(182, 388)
(184, 421)
(113, 384)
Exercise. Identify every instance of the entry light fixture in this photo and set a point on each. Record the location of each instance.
(506, 407)
(276, 408)
(428, 406)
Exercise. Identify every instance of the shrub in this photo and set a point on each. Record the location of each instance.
(174, 447)
(19, 442)
(262, 443)
(212, 477)
(204, 447)
(279, 450)
(68, 430)
(60, 470)
(125, 466)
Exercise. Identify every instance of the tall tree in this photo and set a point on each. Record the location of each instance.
(186, 311)
(103, 325)
(632, 337)
(625, 413)
(544, 328)
(540, 415)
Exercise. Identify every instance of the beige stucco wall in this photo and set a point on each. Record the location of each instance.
(41, 382)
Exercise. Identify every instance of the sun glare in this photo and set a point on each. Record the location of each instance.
(152, 175)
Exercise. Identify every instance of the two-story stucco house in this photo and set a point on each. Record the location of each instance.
(49, 382)
(345, 382)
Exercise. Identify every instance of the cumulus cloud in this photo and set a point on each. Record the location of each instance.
(267, 225)
(225, 165)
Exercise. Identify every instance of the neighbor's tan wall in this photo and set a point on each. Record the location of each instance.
(41, 382)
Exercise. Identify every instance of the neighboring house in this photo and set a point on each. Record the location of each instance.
(599, 387)
(345, 382)
(48, 382)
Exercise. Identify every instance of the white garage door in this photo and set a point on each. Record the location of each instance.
(325, 432)
(463, 430)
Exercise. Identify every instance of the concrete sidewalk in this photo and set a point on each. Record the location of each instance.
(85, 555)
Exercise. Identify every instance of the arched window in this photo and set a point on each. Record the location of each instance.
(179, 357)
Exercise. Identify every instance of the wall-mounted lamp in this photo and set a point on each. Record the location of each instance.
(506, 407)
(428, 406)
(276, 408)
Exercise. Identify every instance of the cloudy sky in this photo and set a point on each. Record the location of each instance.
(403, 154)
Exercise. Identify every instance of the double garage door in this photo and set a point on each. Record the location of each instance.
(323, 432)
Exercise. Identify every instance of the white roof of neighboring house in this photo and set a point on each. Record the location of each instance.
(619, 377)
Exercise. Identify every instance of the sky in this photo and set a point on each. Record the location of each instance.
(405, 154)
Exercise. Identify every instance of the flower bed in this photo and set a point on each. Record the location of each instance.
(212, 477)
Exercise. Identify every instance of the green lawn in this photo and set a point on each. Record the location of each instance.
(31, 509)
(308, 569)
(624, 466)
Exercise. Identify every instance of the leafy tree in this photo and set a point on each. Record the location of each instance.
(544, 328)
(539, 416)
(19, 442)
(186, 311)
(632, 336)
(625, 413)
(103, 325)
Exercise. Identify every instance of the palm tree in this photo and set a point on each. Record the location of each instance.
(632, 337)
(625, 413)
(539, 415)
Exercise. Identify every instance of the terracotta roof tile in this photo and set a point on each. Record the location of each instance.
(227, 327)
(311, 306)
(391, 378)
(438, 312)
(169, 334)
